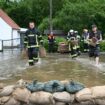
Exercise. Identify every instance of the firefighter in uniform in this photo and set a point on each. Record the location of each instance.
(85, 36)
(95, 37)
(72, 43)
(32, 39)
(78, 43)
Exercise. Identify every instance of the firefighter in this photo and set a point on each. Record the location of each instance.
(51, 42)
(95, 37)
(85, 36)
(32, 39)
(72, 42)
(78, 43)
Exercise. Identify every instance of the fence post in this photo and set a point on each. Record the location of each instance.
(1, 45)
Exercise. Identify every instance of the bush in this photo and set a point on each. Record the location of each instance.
(102, 46)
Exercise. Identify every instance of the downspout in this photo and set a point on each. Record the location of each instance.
(12, 39)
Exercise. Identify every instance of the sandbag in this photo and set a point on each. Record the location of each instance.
(100, 101)
(84, 95)
(98, 92)
(12, 101)
(22, 94)
(24, 54)
(4, 99)
(54, 86)
(1, 85)
(85, 103)
(6, 91)
(73, 87)
(64, 82)
(63, 97)
(42, 52)
(35, 86)
(41, 98)
(20, 83)
(60, 103)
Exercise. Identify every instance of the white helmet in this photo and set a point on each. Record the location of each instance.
(75, 32)
(71, 31)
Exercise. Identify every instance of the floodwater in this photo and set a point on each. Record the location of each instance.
(54, 66)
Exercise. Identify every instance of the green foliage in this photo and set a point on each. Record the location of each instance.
(76, 14)
(102, 46)
(44, 24)
(81, 14)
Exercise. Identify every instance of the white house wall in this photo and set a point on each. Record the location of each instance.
(16, 37)
(6, 34)
(5, 30)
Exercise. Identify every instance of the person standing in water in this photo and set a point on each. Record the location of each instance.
(85, 36)
(72, 43)
(32, 39)
(78, 42)
(51, 42)
(95, 37)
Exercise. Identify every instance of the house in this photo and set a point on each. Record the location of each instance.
(9, 30)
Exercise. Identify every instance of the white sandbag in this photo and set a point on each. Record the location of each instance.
(6, 91)
(85, 103)
(1, 85)
(84, 95)
(88, 103)
(4, 99)
(12, 101)
(21, 83)
(98, 92)
(65, 82)
(60, 103)
(42, 98)
(42, 52)
(24, 54)
(63, 97)
(100, 101)
(22, 94)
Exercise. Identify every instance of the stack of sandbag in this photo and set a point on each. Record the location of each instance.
(85, 103)
(42, 98)
(60, 103)
(84, 95)
(35, 86)
(6, 91)
(4, 99)
(98, 94)
(6, 96)
(22, 95)
(63, 98)
(73, 87)
(54, 86)
(12, 101)
(95, 95)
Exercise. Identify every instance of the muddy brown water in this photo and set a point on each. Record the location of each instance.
(53, 67)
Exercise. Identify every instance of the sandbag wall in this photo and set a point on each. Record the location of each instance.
(51, 93)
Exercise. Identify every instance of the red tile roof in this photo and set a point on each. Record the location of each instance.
(8, 20)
